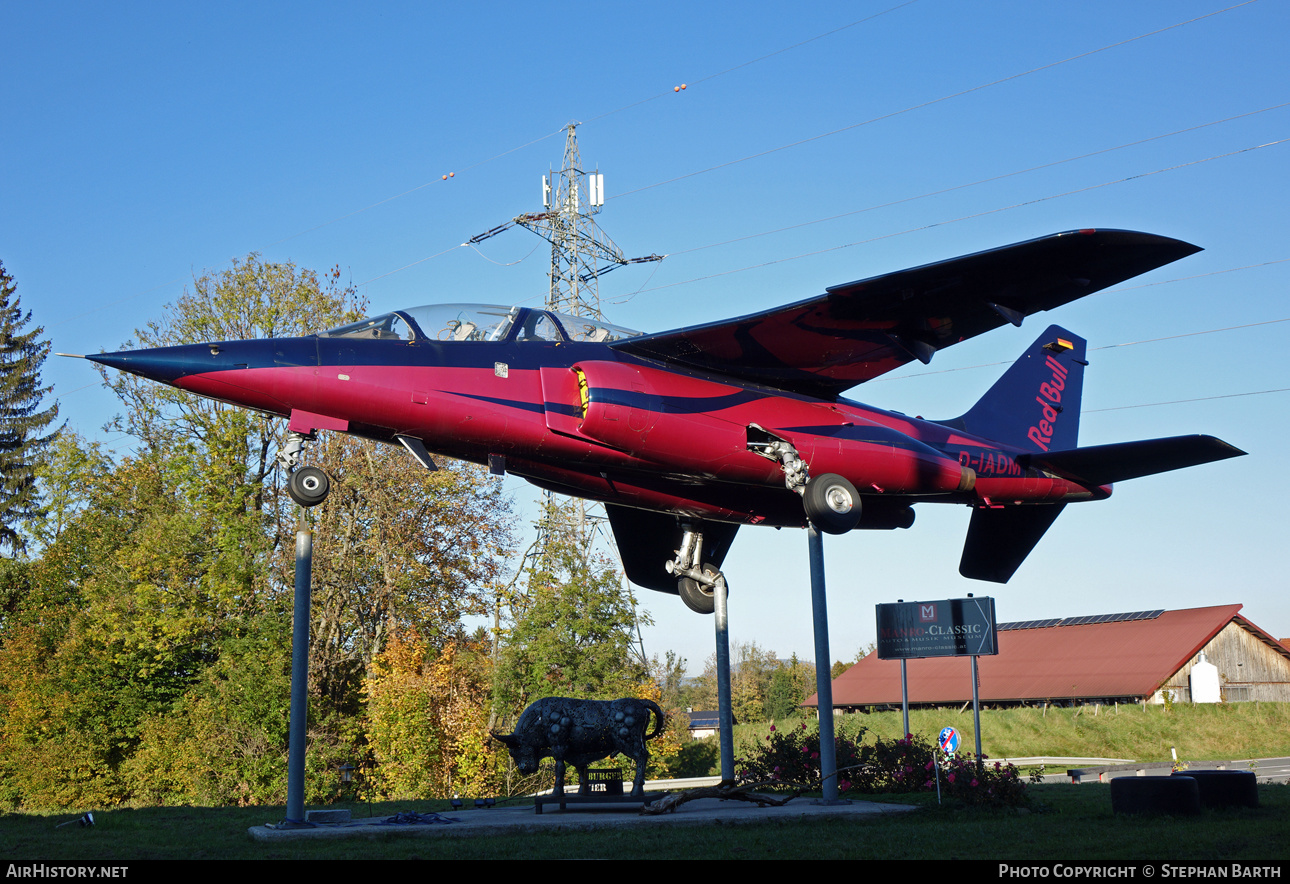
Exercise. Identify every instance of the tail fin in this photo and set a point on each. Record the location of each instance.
(1035, 405)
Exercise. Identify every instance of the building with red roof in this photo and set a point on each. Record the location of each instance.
(1134, 657)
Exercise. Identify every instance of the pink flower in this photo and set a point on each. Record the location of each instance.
(950, 778)
(815, 755)
(975, 783)
(772, 728)
(929, 765)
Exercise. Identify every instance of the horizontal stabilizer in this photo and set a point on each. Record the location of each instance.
(998, 540)
(1105, 464)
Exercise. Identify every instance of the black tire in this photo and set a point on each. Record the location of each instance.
(1225, 788)
(1171, 795)
(699, 598)
(832, 503)
(308, 486)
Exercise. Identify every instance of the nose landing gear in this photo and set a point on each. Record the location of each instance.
(695, 585)
(308, 486)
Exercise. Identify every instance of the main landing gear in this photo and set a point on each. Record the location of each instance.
(695, 584)
(308, 486)
(831, 502)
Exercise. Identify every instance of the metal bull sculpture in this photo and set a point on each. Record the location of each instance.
(579, 732)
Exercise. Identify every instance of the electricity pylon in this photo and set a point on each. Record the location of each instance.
(580, 254)
(580, 251)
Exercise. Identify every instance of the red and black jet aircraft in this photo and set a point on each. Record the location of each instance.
(686, 435)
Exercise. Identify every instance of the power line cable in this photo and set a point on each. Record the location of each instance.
(981, 214)
(933, 101)
(989, 180)
(406, 266)
(772, 150)
(1182, 401)
(601, 116)
(754, 61)
(1207, 331)
(490, 159)
(502, 263)
(731, 162)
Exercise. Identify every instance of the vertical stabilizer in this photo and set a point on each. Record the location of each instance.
(1035, 405)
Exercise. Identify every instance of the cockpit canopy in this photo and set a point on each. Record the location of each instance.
(480, 322)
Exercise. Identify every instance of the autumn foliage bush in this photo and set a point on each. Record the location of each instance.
(792, 757)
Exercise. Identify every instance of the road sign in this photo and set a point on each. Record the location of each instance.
(949, 741)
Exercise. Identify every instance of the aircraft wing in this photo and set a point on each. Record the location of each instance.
(860, 330)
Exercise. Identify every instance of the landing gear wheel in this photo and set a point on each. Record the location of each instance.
(699, 598)
(832, 503)
(308, 486)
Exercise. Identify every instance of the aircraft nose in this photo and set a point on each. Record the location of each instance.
(169, 364)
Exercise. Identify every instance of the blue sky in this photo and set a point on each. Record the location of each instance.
(146, 143)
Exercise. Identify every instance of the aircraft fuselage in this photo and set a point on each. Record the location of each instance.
(585, 419)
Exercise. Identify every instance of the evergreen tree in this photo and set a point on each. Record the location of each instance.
(21, 356)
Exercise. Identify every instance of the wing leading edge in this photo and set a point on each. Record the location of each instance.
(859, 330)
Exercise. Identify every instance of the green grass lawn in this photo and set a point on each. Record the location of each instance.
(1063, 823)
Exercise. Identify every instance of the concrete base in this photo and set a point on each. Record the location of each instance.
(475, 823)
(327, 816)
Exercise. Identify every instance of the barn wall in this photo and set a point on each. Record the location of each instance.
(1248, 669)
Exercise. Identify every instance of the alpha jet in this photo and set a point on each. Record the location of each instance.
(687, 435)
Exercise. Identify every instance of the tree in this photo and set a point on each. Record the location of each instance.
(22, 354)
(669, 675)
(397, 549)
(573, 629)
(751, 668)
(790, 684)
(426, 721)
(144, 654)
(67, 473)
(840, 666)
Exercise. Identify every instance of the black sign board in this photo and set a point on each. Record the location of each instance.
(947, 628)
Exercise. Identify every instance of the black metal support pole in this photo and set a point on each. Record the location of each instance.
(976, 709)
(904, 696)
(823, 675)
(726, 718)
(299, 676)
